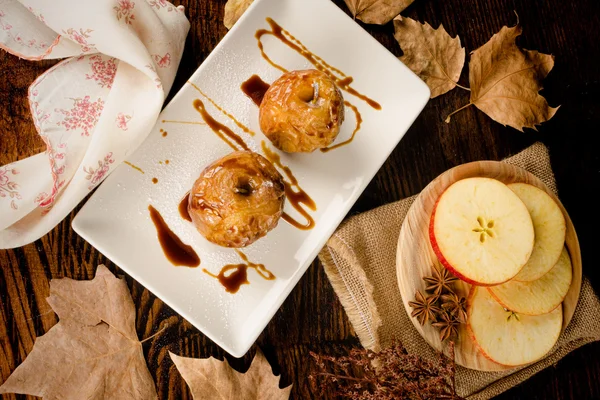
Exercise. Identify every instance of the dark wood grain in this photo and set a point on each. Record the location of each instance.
(312, 317)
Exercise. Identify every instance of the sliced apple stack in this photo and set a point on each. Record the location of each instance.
(510, 239)
(549, 226)
(540, 296)
(506, 337)
(481, 231)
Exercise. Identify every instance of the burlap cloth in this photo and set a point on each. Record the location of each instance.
(360, 261)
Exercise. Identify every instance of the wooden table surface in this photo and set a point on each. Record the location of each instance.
(312, 317)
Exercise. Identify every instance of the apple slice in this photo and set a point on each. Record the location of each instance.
(540, 296)
(481, 231)
(549, 226)
(508, 338)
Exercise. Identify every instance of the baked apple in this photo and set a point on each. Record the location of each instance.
(237, 199)
(302, 111)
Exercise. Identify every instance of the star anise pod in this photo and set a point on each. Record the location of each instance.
(456, 305)
(440, 281)
(424, 308)
(448, 326)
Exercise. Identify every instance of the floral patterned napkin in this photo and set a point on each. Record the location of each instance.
(92, 109)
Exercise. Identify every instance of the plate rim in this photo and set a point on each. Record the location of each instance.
(274, 306)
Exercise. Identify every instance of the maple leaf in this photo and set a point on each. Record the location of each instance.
(430, 53)
(93, 351)
(376, 11)
(505, 81)
(234, 10)
(210, 375)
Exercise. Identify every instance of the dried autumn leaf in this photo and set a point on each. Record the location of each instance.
(430, 53)
(93, 351)
(505, 81)
(234, 10)
(376, 11)
(209, 375)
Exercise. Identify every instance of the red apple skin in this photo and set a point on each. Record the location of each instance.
(479, 349)
(470, 330)
(443, 260)
(497, 299)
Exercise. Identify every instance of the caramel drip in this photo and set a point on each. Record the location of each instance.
(255, 88)
(171, 121)
(356, 129)
(226, 134)
(342, 80)
(296, 224)
(134, 166)
(233, 281)
(260, 268)
(218, 107)
(295, 195)
(183, 207)
(177, 252)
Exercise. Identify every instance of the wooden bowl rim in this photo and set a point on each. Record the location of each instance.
(572, 246)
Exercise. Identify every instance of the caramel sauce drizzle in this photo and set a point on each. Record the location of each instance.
(171, 121)
(293, 192)
(234, 280)
(222, 131)
(218, 107)
(255, 88)
(177, 252)
(342, 80)
(134, 167)
(183, 207)
(356, 129)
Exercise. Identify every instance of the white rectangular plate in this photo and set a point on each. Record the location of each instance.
(116, 219)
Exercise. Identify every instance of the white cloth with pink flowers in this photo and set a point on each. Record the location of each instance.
(92, 109)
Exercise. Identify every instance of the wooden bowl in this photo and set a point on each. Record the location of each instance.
(415, 257)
